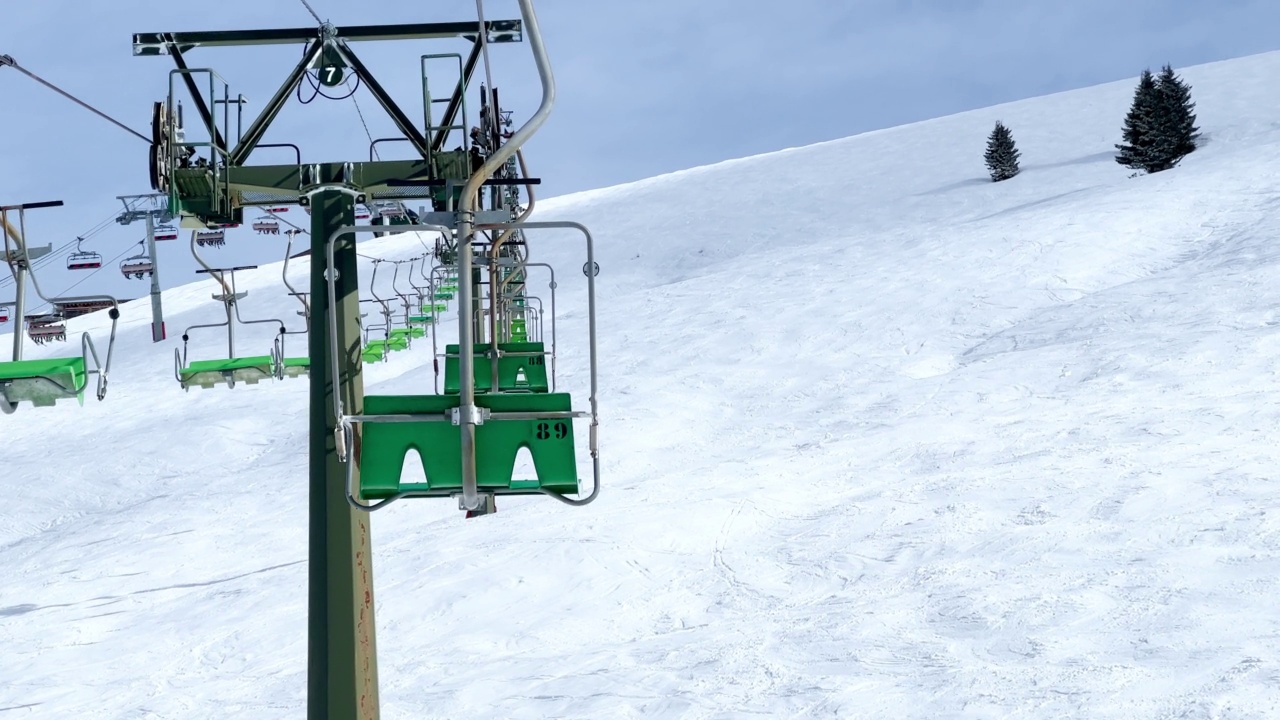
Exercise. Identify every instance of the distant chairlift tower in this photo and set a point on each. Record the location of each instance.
(151, 208)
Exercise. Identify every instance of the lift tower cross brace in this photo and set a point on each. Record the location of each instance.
(342, 678)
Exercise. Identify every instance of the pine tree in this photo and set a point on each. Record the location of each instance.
(1139, 125)
(1175, 123)
(1002, 155)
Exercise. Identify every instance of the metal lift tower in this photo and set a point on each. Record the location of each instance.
(209, 182)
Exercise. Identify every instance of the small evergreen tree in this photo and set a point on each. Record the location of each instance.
(1139, 125)
(1002, 155)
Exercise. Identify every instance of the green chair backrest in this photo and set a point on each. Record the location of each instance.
(515, 373)
(384, 446)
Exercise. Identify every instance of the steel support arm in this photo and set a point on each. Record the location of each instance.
(163, 43)
(401, 120)
(274, 106)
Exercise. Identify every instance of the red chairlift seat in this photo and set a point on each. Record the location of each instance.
(166, 232)
(84, 261)
(4, 313)
(267, 227)
(47, 328)
(277, 209)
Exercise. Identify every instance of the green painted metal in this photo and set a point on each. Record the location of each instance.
(511, 369)
(297, 367)
(421, 319)
(550, 443)
(43, 382)
(153, 43)
(442, 295)
(408, 333)
(273, 184)
(342, 659)
(209, 373)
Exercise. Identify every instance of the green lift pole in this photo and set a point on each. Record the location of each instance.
(342, 658)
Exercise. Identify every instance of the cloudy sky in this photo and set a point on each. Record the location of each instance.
(644, 87)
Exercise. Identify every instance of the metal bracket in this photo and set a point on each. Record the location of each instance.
(476, 415)
(488, 505)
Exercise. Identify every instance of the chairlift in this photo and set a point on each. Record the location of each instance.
(47, 328)
(235, 368)
(4, 314)
(82, 259)
(266, 227)
(166, 232)
(515, 406)
(362, 214)
(42, 382)
(211, 238)
(277, 209)
(137, 266)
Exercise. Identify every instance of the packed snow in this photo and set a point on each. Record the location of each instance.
(880, 439)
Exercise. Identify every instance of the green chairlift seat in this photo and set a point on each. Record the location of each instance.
(442, 295)
(421, 319)
(398, 339)
(518, 374)
(208, 373)
(43, 382)
(382, 347)
(297, 367)
(384, 446)
(408, 333)
(435, 308)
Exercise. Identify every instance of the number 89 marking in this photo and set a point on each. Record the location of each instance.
(545, 430)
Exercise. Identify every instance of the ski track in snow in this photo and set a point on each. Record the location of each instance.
(880, 439)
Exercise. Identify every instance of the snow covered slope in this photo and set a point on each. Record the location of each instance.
(881, 439)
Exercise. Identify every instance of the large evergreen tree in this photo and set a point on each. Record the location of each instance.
(1176, 130)
(1002, 155)
(1160, 128)
(1139, 125)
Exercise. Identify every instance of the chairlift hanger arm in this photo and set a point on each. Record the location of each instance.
(230, 269)
(499, 31)
(9, 61)
(33, 206)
